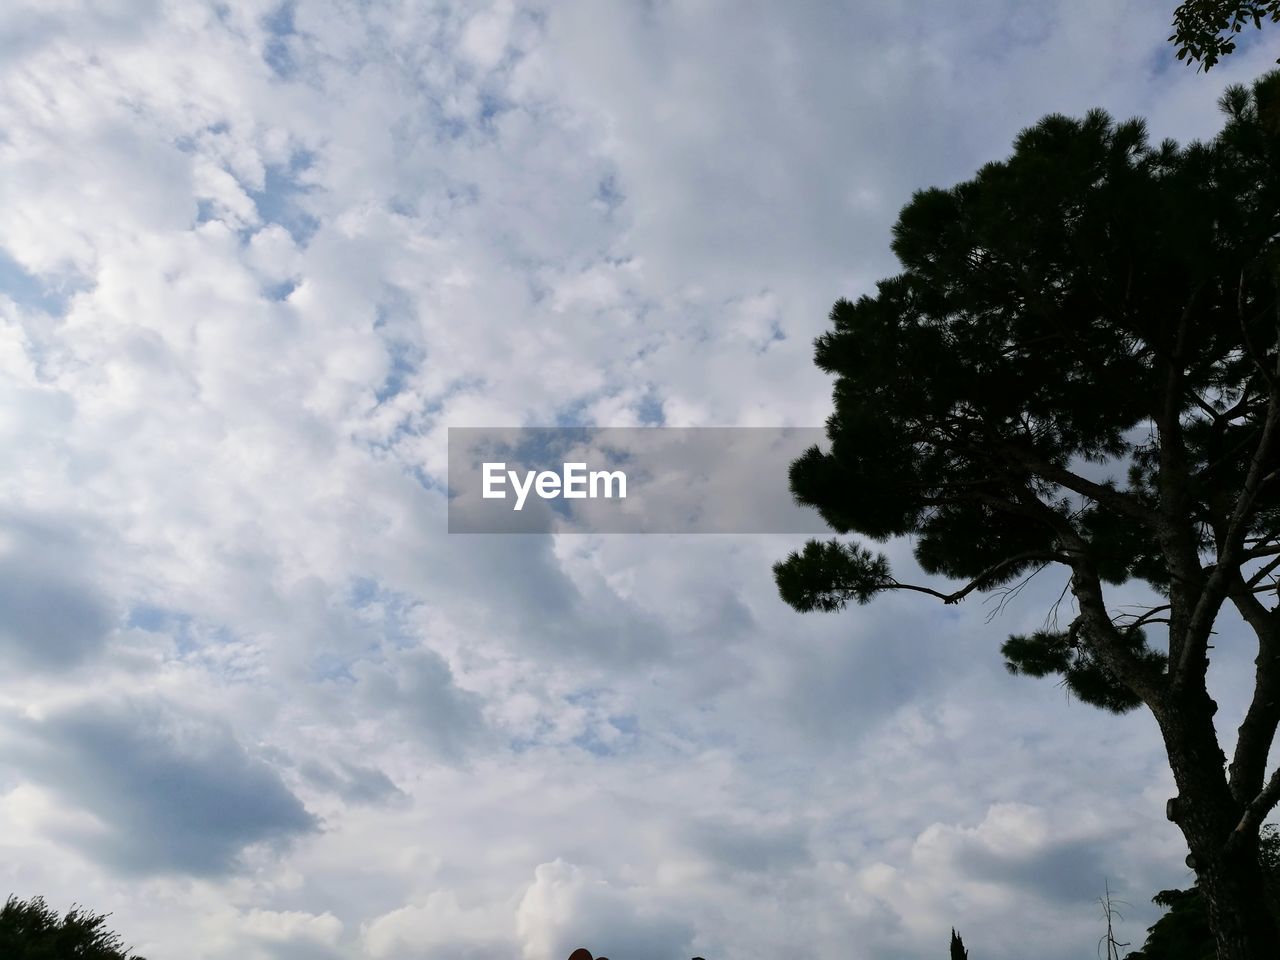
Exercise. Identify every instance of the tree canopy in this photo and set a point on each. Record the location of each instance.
(1079, 366)
(1205, 30)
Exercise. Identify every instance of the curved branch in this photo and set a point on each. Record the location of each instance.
(1148, 617)
(1256, 812)
(979, 580)
(1109, 496)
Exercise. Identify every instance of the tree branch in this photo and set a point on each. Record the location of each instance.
(976, 582)
(1178, 540)
(1266, 569)
(1109, 645)
(1231, 544)
(1148, 617)
(1258, 728)
(1109, 496)
(1256, 812)
(1255, 553)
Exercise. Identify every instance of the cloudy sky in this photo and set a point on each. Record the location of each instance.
(256, 257)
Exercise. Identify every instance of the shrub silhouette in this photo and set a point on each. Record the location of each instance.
(32, 930)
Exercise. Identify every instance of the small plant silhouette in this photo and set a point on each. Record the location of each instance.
(1110, 914)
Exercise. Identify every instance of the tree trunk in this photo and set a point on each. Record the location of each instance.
(1241, 921)
(1230, 879)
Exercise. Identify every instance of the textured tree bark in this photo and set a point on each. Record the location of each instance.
(1238, 913)
(1226, 865)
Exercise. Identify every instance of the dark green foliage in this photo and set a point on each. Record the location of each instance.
(958, 952)
(1042, 310)
(31, 930)
(826, 576)
(1205, 30)
(1070, 656)
(1182, 933)
(1079, 367)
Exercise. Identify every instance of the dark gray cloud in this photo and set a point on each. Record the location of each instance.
(417, 686)
(173, 791)
(1073, 871)
(301, 950)
(52, 613)
(352, 782)
(519, 588)
(751, 848)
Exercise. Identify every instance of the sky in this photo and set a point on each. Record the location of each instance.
(256, 702)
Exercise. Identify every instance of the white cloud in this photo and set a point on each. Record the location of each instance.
(292, 925)
(439, 929)
(257, 257)
(565, 908)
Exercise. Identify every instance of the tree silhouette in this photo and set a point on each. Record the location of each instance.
(1182, 932)
(958, 952)
(1091, 307)
(1205, 30)
(32, 930)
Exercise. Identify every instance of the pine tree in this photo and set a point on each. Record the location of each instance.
(1092, 307)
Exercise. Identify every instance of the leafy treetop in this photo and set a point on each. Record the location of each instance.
(1205, 30)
